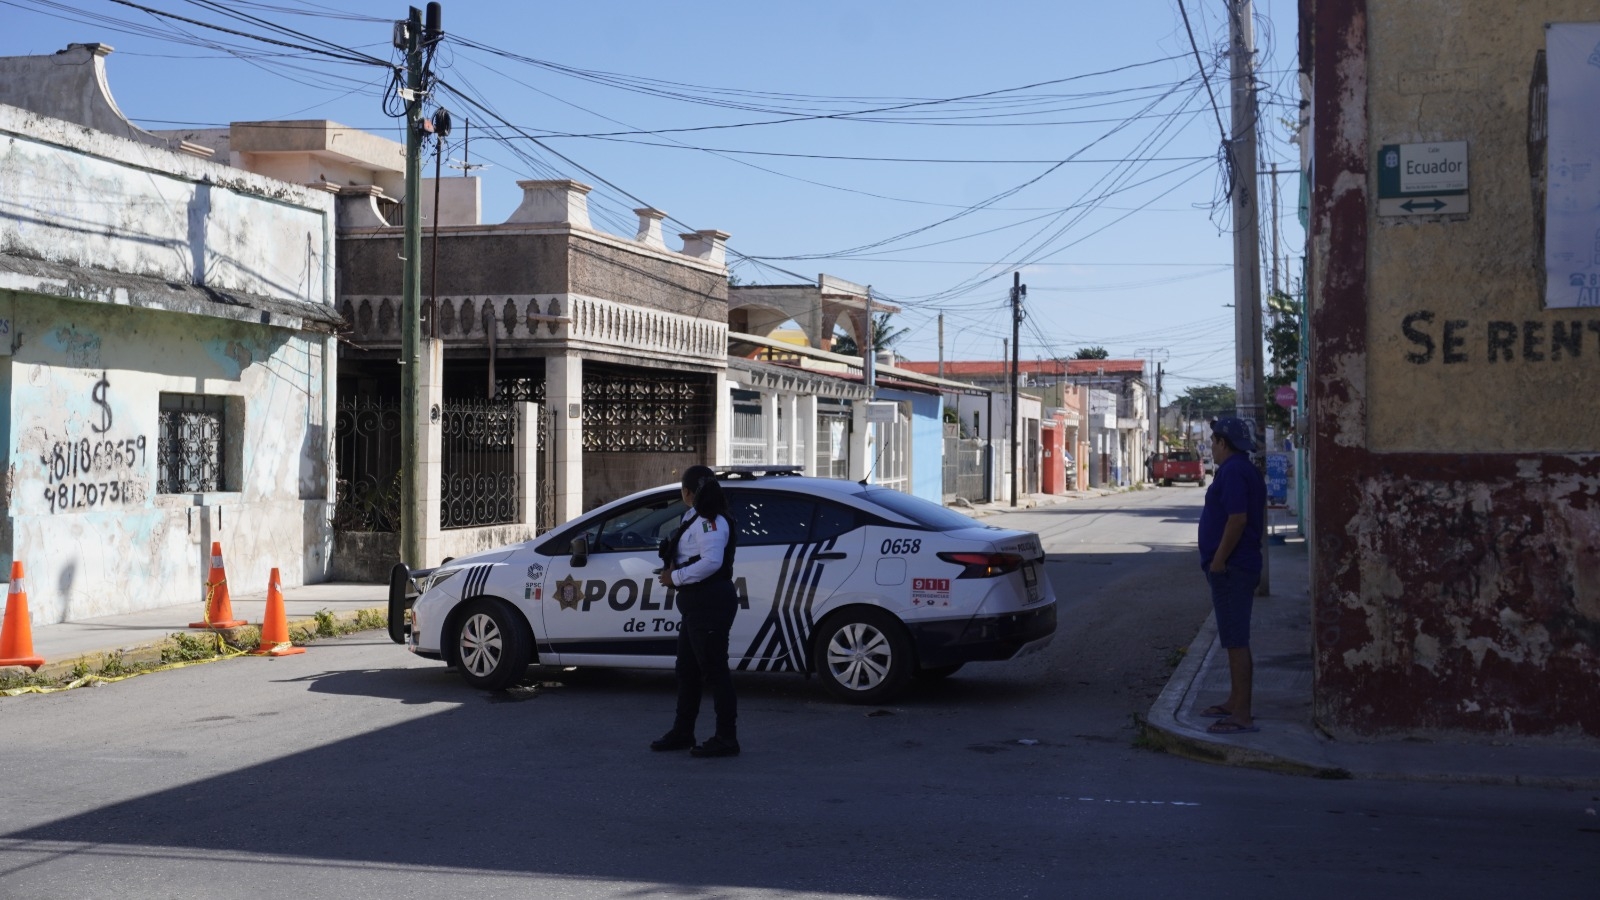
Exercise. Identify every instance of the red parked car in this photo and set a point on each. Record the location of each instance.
(1179, 465)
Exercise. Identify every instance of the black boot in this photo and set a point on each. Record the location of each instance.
(717, 745)
(673, 740)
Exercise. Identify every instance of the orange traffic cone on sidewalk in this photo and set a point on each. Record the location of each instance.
(275, 624)
(219, 607)
(16, 632)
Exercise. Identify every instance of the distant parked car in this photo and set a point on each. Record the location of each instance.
(1178, 465)
(865, 586)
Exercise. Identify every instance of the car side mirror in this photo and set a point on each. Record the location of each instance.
(580, 552)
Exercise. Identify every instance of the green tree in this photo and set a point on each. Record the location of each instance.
(1208, 401)
(1091, 353)
(884, 336)
(1283, 351)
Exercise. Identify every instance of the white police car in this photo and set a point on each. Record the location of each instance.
(864, 586)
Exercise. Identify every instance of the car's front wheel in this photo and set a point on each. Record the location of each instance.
(863, 656)
(492, 644)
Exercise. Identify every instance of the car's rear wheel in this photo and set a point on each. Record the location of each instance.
(492, 644)
(933, 673)
(863, 655)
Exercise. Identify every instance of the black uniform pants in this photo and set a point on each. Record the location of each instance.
(706, 611)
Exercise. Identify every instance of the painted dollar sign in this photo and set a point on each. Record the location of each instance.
(99, 396)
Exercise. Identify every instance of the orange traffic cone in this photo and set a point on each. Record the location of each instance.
(219, 607)
(16, 632)
(275, 624)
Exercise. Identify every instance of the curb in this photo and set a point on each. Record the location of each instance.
(153, 651)
(1162, 731)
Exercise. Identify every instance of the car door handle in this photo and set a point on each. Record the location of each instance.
(837, 554)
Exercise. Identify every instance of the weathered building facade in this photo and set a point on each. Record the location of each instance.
(622, 341)
(166, 356)
(1454, 416)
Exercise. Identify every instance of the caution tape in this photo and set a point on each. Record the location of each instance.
(224, 651)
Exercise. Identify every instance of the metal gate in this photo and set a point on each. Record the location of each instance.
(367, 464)
(966, 466)
(480, 484)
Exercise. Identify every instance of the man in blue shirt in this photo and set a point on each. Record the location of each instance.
(1230, 554)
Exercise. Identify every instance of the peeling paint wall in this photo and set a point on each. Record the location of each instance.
(85, 199)
(1456, 451)
(96, 537)
(81, 391)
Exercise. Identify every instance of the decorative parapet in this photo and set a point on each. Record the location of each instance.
(708, 244)
(650, 227)
(358, 207)
(573, 320)
(559, 202)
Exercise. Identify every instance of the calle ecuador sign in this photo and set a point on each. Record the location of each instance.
(1422, 179)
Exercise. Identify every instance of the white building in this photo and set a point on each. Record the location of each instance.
(166, 356)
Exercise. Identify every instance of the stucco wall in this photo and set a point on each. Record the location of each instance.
(85, 385)
(1456, 481)
(84, 199)
(128, 271)
(1471, 280)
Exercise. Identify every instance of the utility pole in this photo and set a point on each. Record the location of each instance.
(1275, 276)
(412, 501)
(1018, 291)
(1248, 379)
(1159, 373)
(869, 353)
(941, 345)
(1246, 227)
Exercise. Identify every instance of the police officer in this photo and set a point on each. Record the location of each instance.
(699, 565)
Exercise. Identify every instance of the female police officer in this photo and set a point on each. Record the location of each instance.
(699, 565)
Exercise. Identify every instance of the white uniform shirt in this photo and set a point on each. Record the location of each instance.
(705, 538)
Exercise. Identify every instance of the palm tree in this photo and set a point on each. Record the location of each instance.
(884, 336)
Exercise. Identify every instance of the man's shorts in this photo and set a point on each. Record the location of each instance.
(1233, 595)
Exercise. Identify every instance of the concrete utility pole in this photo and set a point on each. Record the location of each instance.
(1248, 379)
(941, 345)
(1018, 291)
(1246, 227)
(412, 501)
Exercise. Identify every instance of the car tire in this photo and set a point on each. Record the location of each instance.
(491, 644)
(1202, 481)
(862, 655)
(936, 673)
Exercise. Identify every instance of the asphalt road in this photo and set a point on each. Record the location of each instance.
(358, 771)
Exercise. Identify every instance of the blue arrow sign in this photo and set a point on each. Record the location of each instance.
(1414, 205)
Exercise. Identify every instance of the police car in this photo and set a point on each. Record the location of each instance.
(864, 586)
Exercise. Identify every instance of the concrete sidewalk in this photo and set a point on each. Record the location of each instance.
(140, 637)
(1289, 740)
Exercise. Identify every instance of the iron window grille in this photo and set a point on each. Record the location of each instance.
(190, 447)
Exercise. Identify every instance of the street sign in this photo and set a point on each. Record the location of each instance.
(1423, 179)
(1285, 396)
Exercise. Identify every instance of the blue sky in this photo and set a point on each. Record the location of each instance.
(1073, 142)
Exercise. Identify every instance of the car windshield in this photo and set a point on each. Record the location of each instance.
(918, 510)
(1182, 456)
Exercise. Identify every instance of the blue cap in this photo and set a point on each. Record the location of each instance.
(1236, 433)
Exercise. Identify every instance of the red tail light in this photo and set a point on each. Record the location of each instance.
(984, 565)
